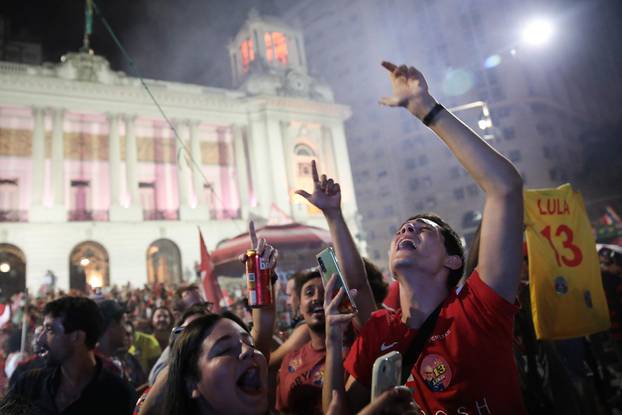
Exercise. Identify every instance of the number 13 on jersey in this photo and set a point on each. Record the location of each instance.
(567, 297)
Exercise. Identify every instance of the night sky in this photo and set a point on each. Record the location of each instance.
(181, 41)
(186, 40)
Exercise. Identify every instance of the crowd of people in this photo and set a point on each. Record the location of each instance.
(468, 347)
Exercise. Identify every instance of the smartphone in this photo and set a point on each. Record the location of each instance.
(386, 373)
(329, 266)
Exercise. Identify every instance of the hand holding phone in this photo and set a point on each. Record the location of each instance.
(386, 373)
(329, 266)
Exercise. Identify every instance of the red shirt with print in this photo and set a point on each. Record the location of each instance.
(301, 377)
(467, 365)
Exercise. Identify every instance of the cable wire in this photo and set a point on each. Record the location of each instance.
(194, 165)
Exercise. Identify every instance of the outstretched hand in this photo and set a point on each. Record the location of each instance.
(410, 90)
(326, 194)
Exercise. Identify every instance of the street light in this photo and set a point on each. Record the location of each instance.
(537, 32)
(485, 122)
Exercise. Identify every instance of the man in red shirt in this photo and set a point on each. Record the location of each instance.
(301, 374)
(466, 365)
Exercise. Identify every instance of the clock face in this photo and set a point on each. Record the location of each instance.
(297, 82)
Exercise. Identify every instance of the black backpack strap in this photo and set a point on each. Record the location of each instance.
(416, 346)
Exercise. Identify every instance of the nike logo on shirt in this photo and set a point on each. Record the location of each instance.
(385, 347)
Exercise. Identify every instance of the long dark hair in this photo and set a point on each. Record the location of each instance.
(183, 363)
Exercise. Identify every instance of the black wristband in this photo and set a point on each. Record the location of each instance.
(429, 118)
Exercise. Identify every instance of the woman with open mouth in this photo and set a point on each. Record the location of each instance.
(216, 369)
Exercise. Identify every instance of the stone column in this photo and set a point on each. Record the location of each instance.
(260, 166)
(131, 160)
(195, 150)
(343, 168)
(188, 178)
(58, 158)
(344, 177)
(183, 177)
(241, 171)
(133, 212)
(38, 157)
(280, 194)
(114, 161)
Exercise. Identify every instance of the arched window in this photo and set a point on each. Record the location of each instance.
(303, 150)
(12, 271)
(163, 262)
(88, 264)
(247, 52)
(303, 156)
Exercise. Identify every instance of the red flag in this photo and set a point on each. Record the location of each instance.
(208, 278)
(5, 314)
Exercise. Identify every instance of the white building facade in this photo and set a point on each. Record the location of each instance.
(96, 184)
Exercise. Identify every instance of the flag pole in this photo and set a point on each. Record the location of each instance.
(22, 347)
(88, 27)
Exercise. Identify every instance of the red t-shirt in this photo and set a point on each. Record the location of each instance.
(301, 377)
(467, 365)
(392, 300)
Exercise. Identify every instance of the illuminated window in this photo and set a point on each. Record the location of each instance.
(276, 47)
(163, 262)
(303, 160)
(303, 150)
(248, 53)
(304, 177)
(88, 264)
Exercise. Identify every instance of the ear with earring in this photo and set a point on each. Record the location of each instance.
(193, 389)
(195, 392)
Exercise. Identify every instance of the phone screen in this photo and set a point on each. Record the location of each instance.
(386, 373)
(329, 266)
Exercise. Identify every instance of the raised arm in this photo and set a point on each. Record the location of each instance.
(327, 197)
(295, 341)
(502, 220)
(263, 317)
(335, 325)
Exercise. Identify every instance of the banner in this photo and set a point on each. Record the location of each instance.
(567, 296)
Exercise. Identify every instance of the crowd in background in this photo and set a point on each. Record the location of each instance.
(577, 374)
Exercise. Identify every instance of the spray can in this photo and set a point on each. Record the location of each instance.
(258, 280)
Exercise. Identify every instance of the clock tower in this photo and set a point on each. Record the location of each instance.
(268, 57)
(293, 120)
